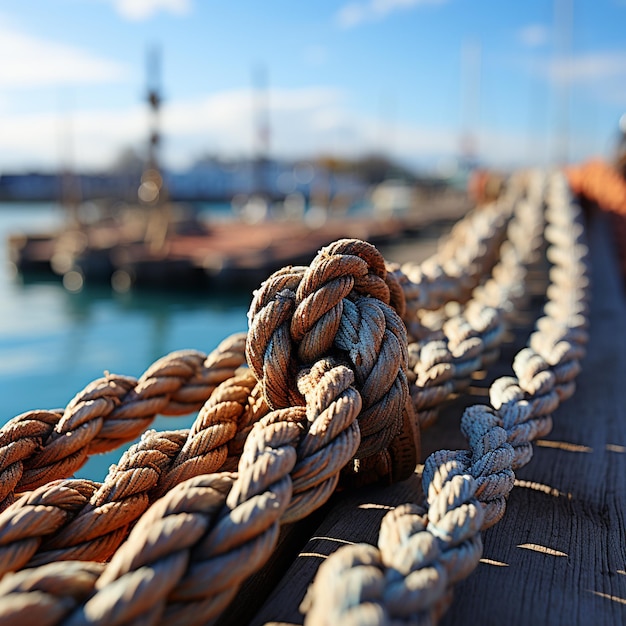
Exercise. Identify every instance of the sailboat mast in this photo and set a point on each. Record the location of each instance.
(261, 129)
(563, 18)
(471, 61)
(154, 102)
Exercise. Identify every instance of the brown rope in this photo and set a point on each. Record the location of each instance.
(32, 596)
(441, 363)
(185, 562)
(40, 446)
(95, 525)
(409, 576)
(339, 306)
(274, 448)
(330, 352)
(130, 486)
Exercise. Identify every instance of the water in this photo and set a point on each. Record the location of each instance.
(52, 342)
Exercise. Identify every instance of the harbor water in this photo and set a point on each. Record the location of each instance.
(53, 342)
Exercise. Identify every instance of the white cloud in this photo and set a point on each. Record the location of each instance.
(36, 62)
(41, 139)
(585, 68)
(304, 122)
(221, 122)
(355, 13)
(224, 122)
(137, 10)
(534, 35)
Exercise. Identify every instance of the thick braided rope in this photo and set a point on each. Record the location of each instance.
(39, 446)
(463, 258)
(340, 306)
(81, 537)
(523, 252)
(88, 533)
(187, 555)
(409, 576)
(32, 595)
(55, 523)
(27, 432)
(469, 340)
(334, 443)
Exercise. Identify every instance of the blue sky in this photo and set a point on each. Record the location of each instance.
(410, 78)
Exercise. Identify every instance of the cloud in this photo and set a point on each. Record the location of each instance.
(225, 122)
(355, 13)
(36, 62)
(137, 10)
(534, 35)
(303, 121)
(40, 140)
(217, 123)
(584, 68)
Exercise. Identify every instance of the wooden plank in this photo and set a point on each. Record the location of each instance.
(559, 555)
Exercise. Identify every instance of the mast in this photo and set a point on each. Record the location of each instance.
(152, 193)
(471, 59)
(564, 21)
(153, 97)
(261, 146)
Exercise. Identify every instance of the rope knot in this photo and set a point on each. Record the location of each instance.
(345, 307)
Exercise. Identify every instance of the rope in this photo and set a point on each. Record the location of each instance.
(228, 524)
(281, 472)
(85, 520)
(340, 305)
(422, 552)
(40, 446)
(442, 365)
(333, 401)
(131, 485)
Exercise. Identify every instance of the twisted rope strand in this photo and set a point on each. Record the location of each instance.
(330, 353)
(263, 488)
(419, 587)
(464, 257)
(238, 539)
(93, 529)
(39, 446)
(442, 365)
(339, 307)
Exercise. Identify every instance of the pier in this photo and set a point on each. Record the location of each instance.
(193, 254)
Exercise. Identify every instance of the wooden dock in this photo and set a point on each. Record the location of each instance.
(559, 555)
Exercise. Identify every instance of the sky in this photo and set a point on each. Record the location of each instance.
(421, 81)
